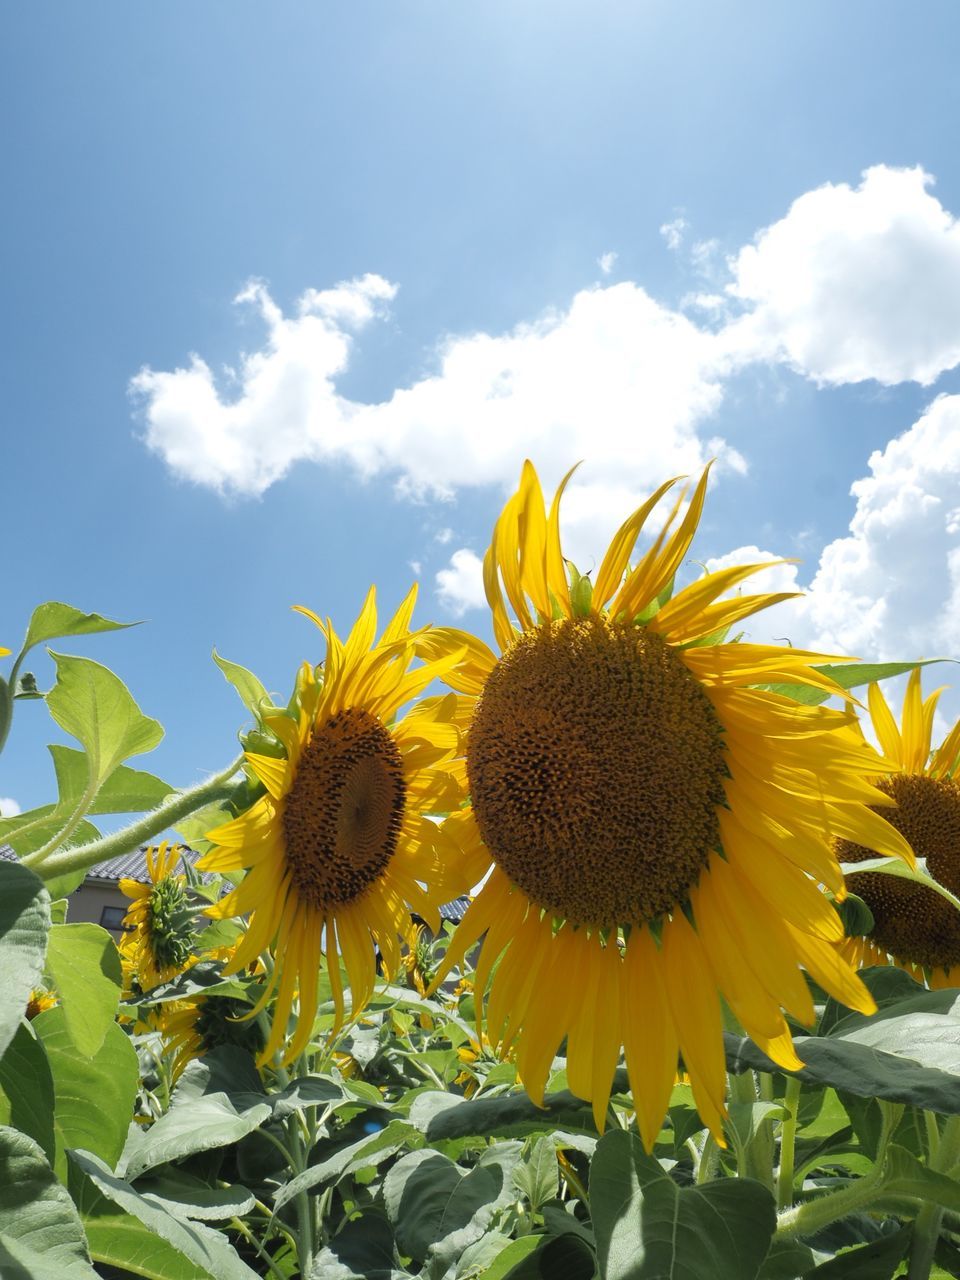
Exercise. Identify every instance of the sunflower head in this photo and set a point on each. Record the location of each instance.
(160, 924)
(40, 1000)
(656, 822)
(913, 925)
(340, 847)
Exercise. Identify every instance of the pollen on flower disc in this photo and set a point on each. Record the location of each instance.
(911, 922)
(596, 765)
(341, 819)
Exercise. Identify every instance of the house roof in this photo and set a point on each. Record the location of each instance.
(133, 866)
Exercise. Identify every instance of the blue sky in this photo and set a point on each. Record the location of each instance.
(448, 179)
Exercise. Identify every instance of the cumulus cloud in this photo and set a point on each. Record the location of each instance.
(460, 585)
(854, 283)
(8, 808)
(606, 262)
(890, 588)
(615, 377)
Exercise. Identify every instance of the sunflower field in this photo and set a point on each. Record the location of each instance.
(700, 1018)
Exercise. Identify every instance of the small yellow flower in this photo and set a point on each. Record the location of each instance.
(160, 922)
(40, 1000)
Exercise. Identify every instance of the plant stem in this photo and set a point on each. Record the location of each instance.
(172, 810)
(707, 1163)
(240, 1226)
(926, 1228)
(809, 1218)
(788, 1143)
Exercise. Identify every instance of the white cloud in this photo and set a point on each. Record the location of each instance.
(616, 378)
(606, 262)
(852, 283)
(673, 232)
(287, 408)
(889, 589)
(460, 586)
(8, 808)
(443, 536)
(855, 283)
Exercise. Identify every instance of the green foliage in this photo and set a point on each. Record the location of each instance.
(84, 967)
(24, 925)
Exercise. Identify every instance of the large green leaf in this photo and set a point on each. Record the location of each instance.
(207, 1249)
(94, 1094)
(428, 1198)
(24, 924)
(124, 1242)
(56, 621)
(363, 1250)
(443, 1116)
(40, 1231)
(95, 707)
(26, 1090)
(125, 791)
(84, 963)
(648, 1228)
(212, 1122)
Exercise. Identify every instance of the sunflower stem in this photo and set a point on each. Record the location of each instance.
(172, 810)
(788, 1143)
(926, 1227)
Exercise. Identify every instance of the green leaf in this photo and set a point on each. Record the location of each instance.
(566, 1255)
(252, 693)
(82, 1085)
(207, 1249)
(748, 1121)
(201, 1117)
(186, 1196)
(84, 964)
(56, 621)
(849, 675)
(40, 1230)
(95, 707)
(24, 924)
(26, 1090)
(510, 1257)
(648, 1228)
(538, 1175)
(366, 1152)
(125, 791)
(878, 1260)
(31, 830)
(900, 871)
(513, 1115)
(787, 1260)
(363, 1250)
(428, 1198)
(121, 1241)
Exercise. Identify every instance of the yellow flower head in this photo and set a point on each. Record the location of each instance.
(914, 926)
(659, 825)
(40, 1001)
(160, 923)
(191, 1028)
(340, 848)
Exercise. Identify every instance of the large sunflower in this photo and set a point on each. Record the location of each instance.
(160, 924)
(660, 826)
(914, 926)
(340, 849)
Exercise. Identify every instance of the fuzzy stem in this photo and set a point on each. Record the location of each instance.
(168, 813)
(788, 1144)
(926, 1227)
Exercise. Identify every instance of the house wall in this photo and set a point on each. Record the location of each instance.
(87, 903)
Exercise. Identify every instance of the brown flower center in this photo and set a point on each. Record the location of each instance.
(913, 923)
(596, 765)
(341, 819)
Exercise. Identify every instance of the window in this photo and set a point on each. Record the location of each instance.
(112, 918)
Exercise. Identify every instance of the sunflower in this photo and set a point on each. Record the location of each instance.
(160, 923)
(915, 927)
(191, 1028)
(340, 849)
(654, 820)
(40, 1001)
